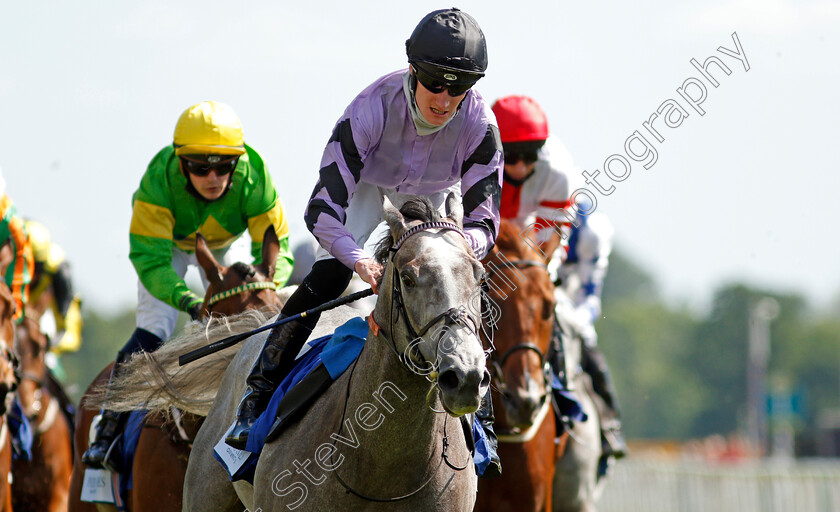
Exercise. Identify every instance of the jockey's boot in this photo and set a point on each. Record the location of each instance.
(98, 454)
(273, 364)
(486, 417)
(595, 364)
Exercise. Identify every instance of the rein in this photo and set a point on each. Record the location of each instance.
(497, 364)
(452, 316)
(247, 287)
(413, 359)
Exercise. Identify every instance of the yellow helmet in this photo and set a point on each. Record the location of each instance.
(209, 127)
(39, 238)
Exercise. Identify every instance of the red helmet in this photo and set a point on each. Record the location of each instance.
(520, 119)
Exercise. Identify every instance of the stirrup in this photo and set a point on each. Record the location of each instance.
(109, 464)
(238, 437)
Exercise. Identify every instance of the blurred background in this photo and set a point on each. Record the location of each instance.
(727, 242)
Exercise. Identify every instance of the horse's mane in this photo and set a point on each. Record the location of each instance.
(155, 381)
(416, 208)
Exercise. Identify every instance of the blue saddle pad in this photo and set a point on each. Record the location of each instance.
(20, 432)
(337, 352)
(566, 401)
(127, 446)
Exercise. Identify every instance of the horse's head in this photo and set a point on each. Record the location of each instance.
(240, 286)
(31, 347)
(8, 381)
(431, 278)
(522, 293)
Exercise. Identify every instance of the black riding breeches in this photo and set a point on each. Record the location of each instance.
(326, 281)
(594, 363)
(141, 339)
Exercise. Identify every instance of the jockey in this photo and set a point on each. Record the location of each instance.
(207, 181)
(536, 192)
(52, 290)
(421, 131)
(19, 272)
(581, 277)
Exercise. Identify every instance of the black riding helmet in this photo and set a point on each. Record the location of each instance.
(448, 45)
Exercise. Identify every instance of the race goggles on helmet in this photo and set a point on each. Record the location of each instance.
(513, 157)
(441, 80)
(526, 151)
(201, 165)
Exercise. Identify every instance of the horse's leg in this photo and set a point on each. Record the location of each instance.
(84, 417)
(159, 468)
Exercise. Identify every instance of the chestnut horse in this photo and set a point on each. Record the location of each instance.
(521, 296)
(8, 380)
(160, 460)
(42, 483)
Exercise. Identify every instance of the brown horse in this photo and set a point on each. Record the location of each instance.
(522, 294)
(8, 381)
(160, 460)
(42, 483)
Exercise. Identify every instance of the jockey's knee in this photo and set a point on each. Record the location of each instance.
(141, 339)
(326, 281)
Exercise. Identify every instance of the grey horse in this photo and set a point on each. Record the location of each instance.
(577, 484)
(387, 428)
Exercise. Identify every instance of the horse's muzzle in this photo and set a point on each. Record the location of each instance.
(461, 389)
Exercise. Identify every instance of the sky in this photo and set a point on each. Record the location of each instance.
(747, 191)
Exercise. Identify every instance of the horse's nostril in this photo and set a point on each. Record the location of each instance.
(485, 380)
(448, 381)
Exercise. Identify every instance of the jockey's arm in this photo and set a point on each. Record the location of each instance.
(549, 246)
(19, 270)
(263, 208)
(481, 191)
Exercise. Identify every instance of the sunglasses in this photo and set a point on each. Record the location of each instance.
(202, 168)
(512, 157)
(435, 86)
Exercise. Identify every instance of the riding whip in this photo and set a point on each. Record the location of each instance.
(233, 340)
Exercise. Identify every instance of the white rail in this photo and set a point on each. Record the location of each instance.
(653, 486)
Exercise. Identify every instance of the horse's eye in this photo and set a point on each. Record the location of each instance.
(407, 281)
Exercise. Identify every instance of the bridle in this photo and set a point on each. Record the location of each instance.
(410, 359)
(497, 363)
(247, 287)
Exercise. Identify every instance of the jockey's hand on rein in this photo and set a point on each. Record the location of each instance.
(194, 310)
(370, 271)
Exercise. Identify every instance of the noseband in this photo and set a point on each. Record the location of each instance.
(412, 358)
(498, 363)
(452, 316)
(247, 287)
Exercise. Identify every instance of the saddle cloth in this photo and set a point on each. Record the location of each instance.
(325, 360)
(20, 432)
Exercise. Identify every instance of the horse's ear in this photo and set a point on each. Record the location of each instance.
(206, 261)
(270, 249)
(6, 256)
(454, 209)
(394, 218)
